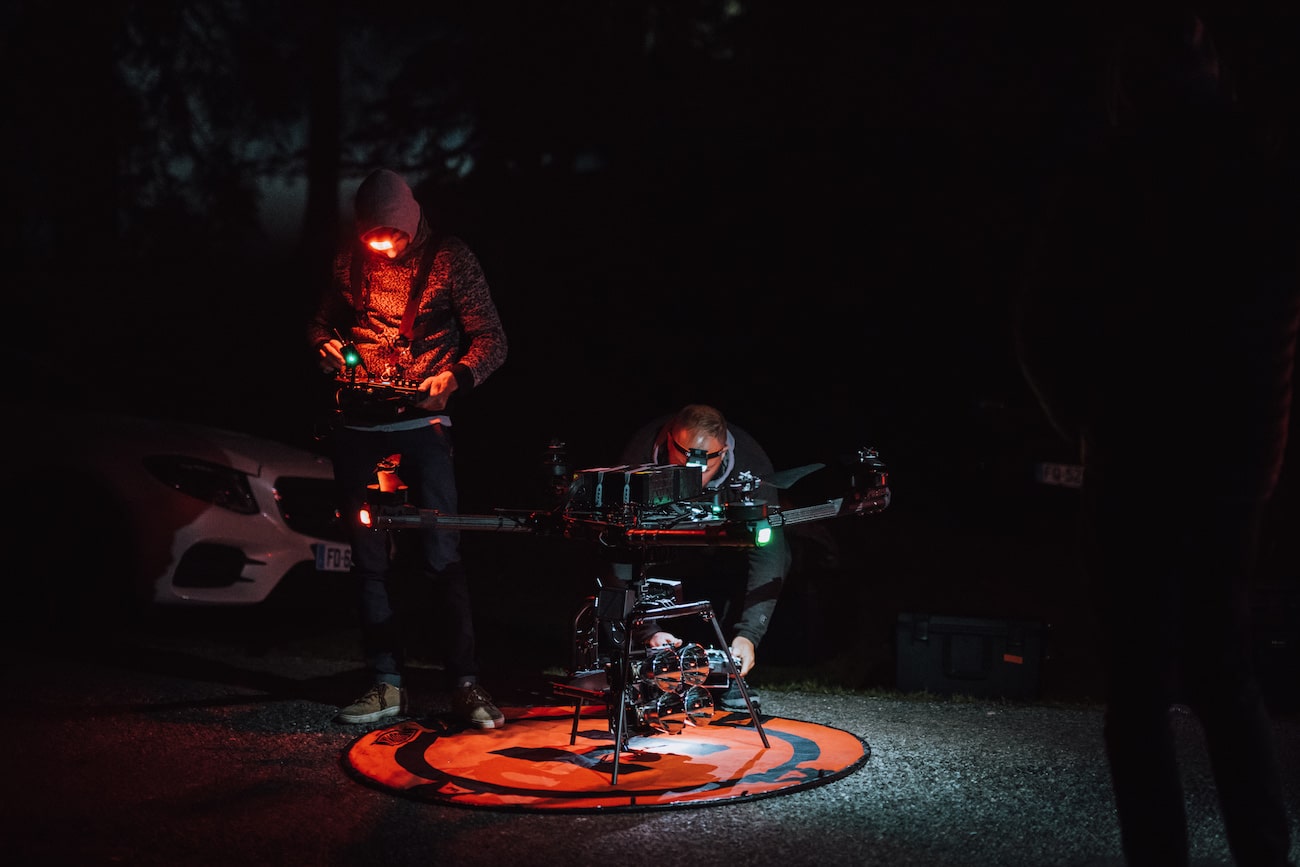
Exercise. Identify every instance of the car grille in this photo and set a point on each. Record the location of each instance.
(210, 565)
(308, 507)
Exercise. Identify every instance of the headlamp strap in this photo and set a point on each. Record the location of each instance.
(419, 279)
(708, 456)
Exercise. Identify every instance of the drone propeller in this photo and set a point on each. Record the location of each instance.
(786, 478)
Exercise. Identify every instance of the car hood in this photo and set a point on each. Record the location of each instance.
(253, 454)
(243, 451)
(123, 436)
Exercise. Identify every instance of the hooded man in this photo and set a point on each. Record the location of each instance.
(409, 316)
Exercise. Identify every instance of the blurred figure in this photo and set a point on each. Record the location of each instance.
(1157, 328)
(751, 576)
(415, 308)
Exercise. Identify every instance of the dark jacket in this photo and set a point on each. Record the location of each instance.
(766, 567)
(1157, 325)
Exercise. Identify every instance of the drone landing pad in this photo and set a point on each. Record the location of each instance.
(529, 764)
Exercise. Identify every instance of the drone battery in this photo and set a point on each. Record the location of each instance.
(654, 486)
(601, 487)
(648, 485)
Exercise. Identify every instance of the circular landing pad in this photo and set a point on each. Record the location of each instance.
(530, 764)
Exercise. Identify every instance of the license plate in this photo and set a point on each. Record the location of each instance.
(332, 557)
(1064, 475)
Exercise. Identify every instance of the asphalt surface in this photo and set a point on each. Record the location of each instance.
(206, 739)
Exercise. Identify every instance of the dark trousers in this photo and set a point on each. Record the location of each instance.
(1171, 578)
(426, 468)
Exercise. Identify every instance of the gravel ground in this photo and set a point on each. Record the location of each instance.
(187, 749)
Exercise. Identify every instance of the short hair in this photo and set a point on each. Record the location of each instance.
(701, 418)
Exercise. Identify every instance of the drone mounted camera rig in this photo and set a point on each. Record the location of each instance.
(633, 511)
(644, 507)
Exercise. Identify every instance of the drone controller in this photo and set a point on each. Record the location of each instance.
(407, 388)
(357, 379)
(377, 399)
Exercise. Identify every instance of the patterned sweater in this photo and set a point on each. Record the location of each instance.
(456, 324)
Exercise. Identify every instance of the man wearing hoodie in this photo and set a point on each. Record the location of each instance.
(410, 306)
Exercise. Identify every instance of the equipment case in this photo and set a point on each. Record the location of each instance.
(969, 656)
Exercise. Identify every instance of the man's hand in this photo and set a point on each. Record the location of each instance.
(742, 651)
(439, 387)
(331, 359)
(663, 639)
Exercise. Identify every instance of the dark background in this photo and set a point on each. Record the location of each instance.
(812, 220)
(811, 216)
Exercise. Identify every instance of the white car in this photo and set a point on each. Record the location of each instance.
(167, 513)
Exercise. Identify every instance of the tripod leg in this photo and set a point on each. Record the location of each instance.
(577, 714)
(618, 704)
(740, 682)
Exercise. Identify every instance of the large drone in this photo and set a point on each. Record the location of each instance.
(648, 506)
(633, 511)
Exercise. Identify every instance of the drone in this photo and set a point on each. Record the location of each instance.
(633, 511)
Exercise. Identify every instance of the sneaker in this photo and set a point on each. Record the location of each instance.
(473, 704)
(731, 699)
(381, 701)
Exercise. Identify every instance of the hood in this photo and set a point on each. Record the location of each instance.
(384, 199)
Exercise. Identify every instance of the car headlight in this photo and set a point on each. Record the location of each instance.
(211, 483)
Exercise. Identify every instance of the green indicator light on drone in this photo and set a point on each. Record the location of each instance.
(762, 534)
